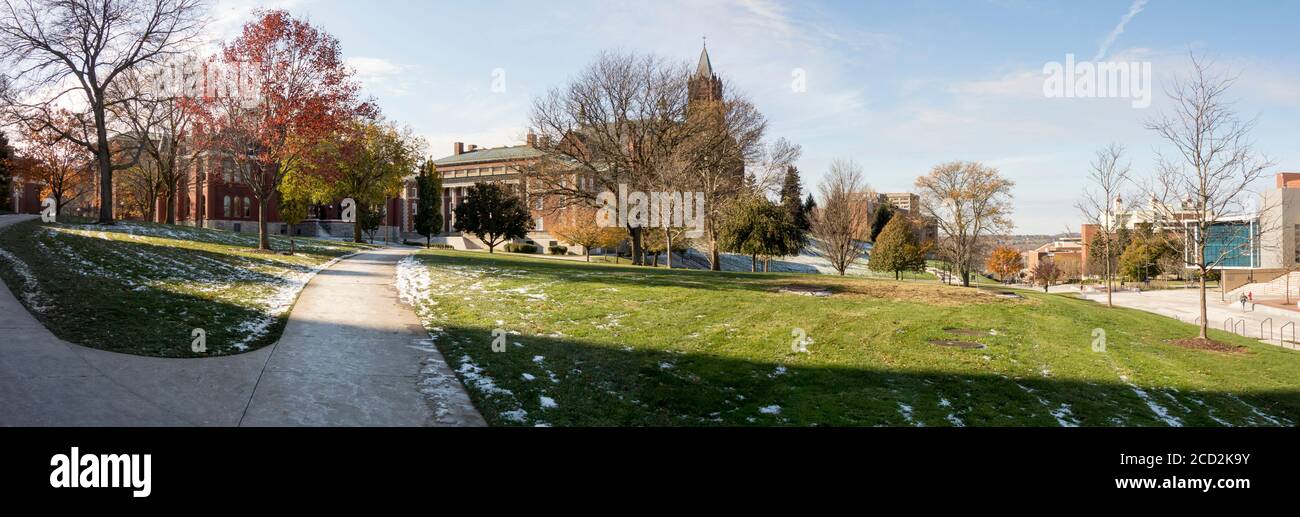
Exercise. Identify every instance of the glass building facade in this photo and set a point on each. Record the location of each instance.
(1233, 244)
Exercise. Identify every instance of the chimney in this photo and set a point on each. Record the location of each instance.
(458, 147)
(532, 139)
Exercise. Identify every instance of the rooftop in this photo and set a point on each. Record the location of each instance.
(496, 154)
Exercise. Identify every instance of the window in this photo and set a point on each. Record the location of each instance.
(1297, 242)
(248, 208)
(226, 210)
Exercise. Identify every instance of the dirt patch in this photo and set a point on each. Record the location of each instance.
(805, 290)
(1208, 344)
(956, 344)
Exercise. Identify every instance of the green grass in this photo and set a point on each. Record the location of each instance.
(620, 345)
(142, 288)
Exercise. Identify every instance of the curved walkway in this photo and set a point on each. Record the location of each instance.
(351, 355)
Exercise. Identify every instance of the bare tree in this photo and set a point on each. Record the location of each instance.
(72, 51)
(1203, 190)
(615, 124)
(158, 110)
(968, 201)
(1108, 178)
(842, 221)
(726, 140)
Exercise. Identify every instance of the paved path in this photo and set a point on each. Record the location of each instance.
(1183, 305)
(351, 355)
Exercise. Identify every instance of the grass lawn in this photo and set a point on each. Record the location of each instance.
(599, 344)
(142, 288)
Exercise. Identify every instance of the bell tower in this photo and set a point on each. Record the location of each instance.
(704, 85)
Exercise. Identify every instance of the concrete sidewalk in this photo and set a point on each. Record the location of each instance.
(1183, 304)
(351, 355)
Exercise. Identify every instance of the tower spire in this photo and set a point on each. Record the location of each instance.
(705, 68)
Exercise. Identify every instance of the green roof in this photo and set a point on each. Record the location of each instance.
(498, 154)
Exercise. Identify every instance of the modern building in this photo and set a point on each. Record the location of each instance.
(1068, 253)
(904, 200)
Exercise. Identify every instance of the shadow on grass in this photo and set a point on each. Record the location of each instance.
(604, 384)
(105, 303)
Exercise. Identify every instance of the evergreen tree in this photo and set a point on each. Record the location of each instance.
(757, 227)
(492, 214)
(791, 190)
(428, 213)
(896, 249)
(884, 214)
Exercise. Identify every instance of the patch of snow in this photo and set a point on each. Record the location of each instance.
(528, 376)
(770, 410)
(31, 292)
(547, 402)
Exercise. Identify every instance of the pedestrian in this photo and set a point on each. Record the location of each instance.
(1250, 296)
(1243, 302)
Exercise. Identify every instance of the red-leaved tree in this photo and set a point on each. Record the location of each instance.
(272, 95)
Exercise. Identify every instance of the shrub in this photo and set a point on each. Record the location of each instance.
(558, 250)
(435, 245)
(522, 248)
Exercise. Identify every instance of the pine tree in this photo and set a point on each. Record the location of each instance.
(791, 191)
(896, 249)
(884, 214)
(428, 216)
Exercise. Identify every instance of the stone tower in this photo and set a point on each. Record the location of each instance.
(704, 85)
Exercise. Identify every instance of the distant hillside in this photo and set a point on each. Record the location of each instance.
(1029, 242)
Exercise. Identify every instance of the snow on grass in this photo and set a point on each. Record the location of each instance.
(284, 292)
(31, 292)
(1161, 412)
(907, 413)
(1064, 417)
(473, 373)
(547, 402)
(1255, 411)
(770, 410)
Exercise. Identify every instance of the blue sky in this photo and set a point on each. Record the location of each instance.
(896, 86)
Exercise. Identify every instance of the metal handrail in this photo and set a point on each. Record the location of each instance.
(1241, 322)
(1280, 332)
(1227, 322)
(1270, 328)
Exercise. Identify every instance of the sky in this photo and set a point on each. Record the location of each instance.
(897, 87)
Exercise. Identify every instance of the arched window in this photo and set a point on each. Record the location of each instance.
(226, 207)
(248, 208)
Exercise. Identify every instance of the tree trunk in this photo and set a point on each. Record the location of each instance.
(171, 208)
(356, 224)
(638, 254)
(105, 167)
(753, 263)
(766, 262)
(1205, 325)
(263, 238)
(668, 237)
(587, 253)
(1109, 276)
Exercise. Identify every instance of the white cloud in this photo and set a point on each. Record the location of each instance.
(1133, 10)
